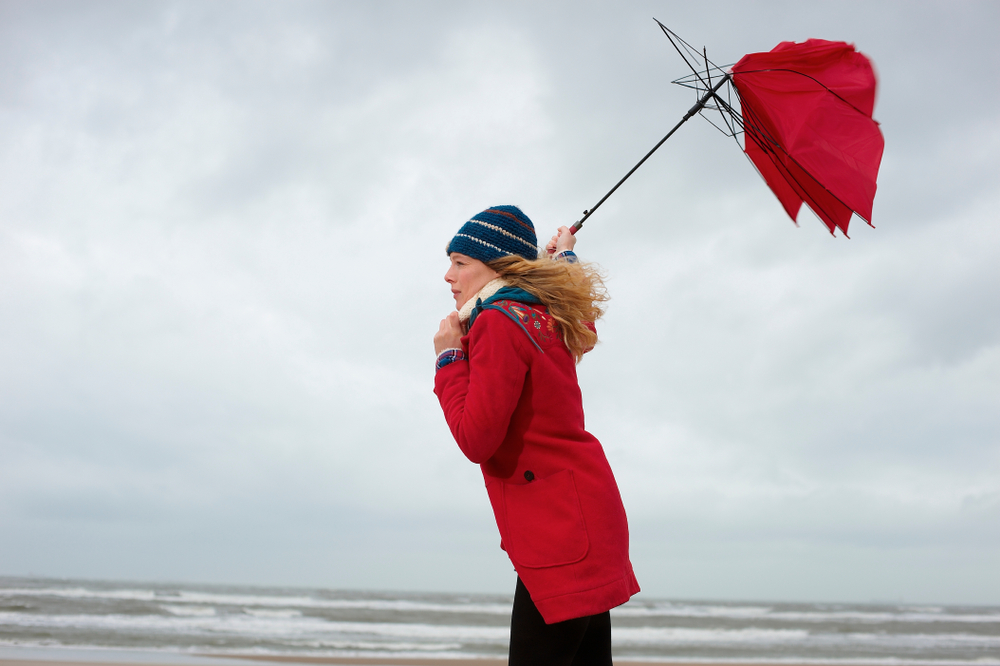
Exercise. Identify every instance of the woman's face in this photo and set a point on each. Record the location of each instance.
(466, 277)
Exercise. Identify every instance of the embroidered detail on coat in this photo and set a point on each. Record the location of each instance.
(533, 320)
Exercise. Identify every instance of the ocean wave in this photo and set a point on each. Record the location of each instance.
(234, 624)
(822, 661)
(302, 630)
(79, 593)
(875, 616)
(905, 614)
(189, 611)
(690, 610)
(344, 648)
(340, 646)
(812, 617)
(225, 599)
(268, 612)
(289, 630)
(667, 636)
(677, 636)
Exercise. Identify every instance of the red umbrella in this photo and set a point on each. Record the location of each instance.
(808, 127)
(806, 116)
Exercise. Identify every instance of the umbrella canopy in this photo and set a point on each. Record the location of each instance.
(807, 117)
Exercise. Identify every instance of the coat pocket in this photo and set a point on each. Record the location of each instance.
(544, 521)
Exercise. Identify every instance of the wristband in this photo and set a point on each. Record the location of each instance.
(449, 356)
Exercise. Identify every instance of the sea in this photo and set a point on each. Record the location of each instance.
(230, 620)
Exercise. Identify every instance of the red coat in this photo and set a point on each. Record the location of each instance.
(515, 408)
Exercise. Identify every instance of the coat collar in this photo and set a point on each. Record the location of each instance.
(483, 295)
(495, 290)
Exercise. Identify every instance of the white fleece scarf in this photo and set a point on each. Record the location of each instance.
(490, 288)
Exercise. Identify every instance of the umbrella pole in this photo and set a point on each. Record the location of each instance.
(691, 112)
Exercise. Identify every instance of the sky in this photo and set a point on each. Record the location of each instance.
(222, 233)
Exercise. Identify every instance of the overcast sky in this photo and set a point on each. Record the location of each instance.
(222, 232)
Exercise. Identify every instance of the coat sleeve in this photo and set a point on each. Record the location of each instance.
(479, 396)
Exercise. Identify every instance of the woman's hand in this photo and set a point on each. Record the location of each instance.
(562, 241)
(449, 335)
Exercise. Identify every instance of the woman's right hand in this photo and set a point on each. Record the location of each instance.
(449, 335)
(562, 241)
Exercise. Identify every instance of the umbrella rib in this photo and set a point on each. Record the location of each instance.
(671, 35)
(709, 66)
(724, 108)
(731, 115)
(708, 72)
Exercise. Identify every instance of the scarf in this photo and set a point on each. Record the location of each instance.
(496, 289)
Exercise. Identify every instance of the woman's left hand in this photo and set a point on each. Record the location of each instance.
(449, 335)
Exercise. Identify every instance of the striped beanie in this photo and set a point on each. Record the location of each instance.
(500, 231)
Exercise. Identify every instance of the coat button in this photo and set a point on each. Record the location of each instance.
(529, 475)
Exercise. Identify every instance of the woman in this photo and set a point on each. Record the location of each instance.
(506, 380)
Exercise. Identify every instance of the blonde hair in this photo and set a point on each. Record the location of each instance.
(573, 294)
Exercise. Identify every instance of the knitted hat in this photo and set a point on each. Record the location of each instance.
(500, 231)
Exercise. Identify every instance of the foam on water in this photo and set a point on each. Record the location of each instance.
(764, 612)
(221, 599)
(280, 613)
(79, 593)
